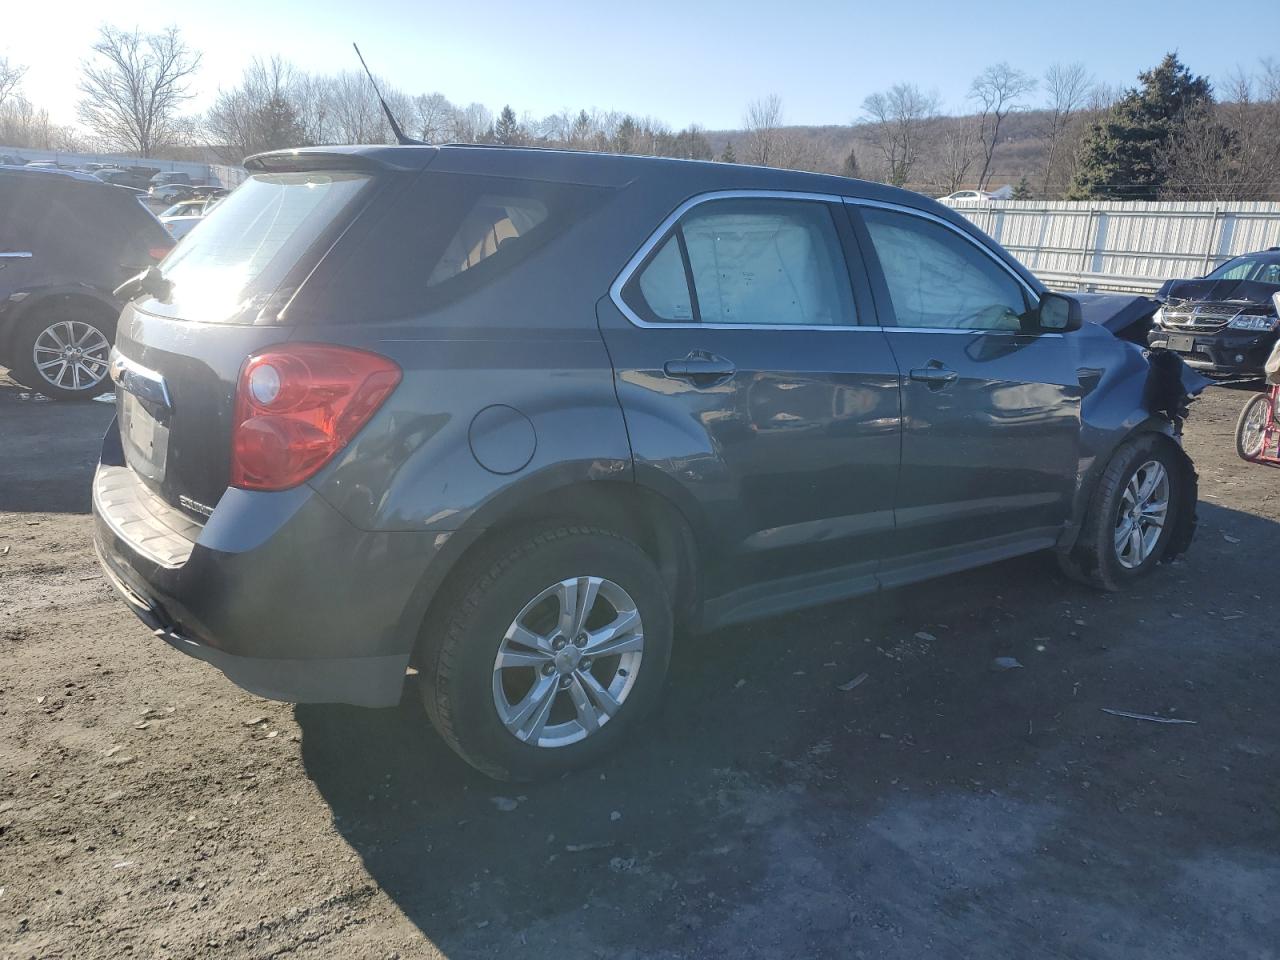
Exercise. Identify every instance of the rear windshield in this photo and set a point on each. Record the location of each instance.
(226, 271)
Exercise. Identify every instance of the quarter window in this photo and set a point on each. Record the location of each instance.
(755, 262)
(491, 222)
(939, 279)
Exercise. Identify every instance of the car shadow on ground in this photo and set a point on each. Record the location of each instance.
(45, 464)
(767, 810)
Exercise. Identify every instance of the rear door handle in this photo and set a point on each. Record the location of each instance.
(935, 376)
(700, 369)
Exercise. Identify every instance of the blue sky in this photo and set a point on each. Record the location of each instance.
(681, 62)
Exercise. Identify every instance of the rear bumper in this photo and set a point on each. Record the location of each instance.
(278, 591)
(361, 681)
(1230, 352)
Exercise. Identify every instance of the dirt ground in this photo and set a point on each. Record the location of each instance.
(940, 808)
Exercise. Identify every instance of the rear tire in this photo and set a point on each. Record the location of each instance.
(1251, 427)
(503, 681)
(62, 351)
(1120, 540)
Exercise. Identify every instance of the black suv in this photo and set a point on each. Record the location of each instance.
(67, 240)
(520, 417)
(1225, 322)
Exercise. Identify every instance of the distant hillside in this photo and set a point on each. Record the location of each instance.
(1021, 150)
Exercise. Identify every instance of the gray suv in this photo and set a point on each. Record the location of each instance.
(518, 417)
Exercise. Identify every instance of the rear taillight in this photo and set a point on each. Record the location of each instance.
(159, 253)
(297, 405)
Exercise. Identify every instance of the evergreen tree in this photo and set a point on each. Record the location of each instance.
(1023, 190)
(727, 155)
(624, 141)
(1122, 156)
(850, 166)
(507, 128)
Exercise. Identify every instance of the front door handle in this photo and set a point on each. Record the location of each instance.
(700, 368)
(935, 375)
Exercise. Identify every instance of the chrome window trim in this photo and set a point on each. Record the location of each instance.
(973, 331)
(15, 255)
(624, 277)
(926, 215)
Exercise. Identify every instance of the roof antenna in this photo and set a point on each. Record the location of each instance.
(401, 139)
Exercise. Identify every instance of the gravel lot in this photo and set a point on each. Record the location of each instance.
(940, 808)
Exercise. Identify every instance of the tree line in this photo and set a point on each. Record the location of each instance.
(1058, 135)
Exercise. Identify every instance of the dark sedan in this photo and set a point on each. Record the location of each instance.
(1223, 323)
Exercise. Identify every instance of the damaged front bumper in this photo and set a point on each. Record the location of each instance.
(1238, 352)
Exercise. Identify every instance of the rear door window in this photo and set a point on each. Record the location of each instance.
(227, 270)
(750, 262)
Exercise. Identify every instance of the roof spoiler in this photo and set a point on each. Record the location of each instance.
(319, 158)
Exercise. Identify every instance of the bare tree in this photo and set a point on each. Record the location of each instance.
(354, 109)
(260, 114)
(1102, 97)
(311, 99)
(899, 118)
(133, 86)
(471, 123)
(763, 126)
(1203, 161)
(434, 115)
(998, 91)
(1068, 87)
(1226, 151)
(11, 75)
(957, 146)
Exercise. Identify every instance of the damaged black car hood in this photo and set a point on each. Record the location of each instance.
(1218, 291)
(1169, 383)
(1118, 312)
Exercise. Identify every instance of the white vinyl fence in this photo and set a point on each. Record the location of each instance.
(1130, 246)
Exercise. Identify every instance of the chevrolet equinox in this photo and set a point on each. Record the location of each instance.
(516, 417)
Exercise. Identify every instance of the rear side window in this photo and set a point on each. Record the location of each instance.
(442, 238)
(491, 222)
(73, 225)
(225, 271)
(754, 262)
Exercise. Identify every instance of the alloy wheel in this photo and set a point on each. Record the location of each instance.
(71, 355)
(1144, 508)
(568, 662)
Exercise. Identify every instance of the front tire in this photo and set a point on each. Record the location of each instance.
(552, 648)
(1136, 509)
(1251, 427)
(64, 351)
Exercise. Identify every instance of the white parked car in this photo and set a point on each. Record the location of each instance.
(180, 218)
(978, 196)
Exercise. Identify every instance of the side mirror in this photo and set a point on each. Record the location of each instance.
(1059, 313)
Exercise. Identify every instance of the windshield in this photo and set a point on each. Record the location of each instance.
(227, 270)
(1256, 268)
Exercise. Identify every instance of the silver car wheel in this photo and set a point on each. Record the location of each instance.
(1144, 507)
(71, 355)
(568, 662)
